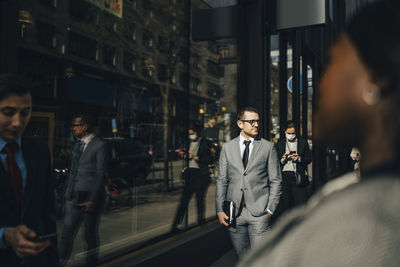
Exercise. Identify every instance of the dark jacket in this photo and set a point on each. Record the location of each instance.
(302, 149)
(204, 154)
(37, 211)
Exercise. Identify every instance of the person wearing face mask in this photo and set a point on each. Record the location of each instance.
(294, 154)
(196, 176)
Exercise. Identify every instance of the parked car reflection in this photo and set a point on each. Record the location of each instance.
(130, 160)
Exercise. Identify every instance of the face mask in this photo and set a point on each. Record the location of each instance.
(290, 137)
(192, 137)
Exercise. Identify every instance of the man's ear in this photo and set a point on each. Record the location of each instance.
(240, 124)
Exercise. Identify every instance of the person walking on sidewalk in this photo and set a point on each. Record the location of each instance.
(196, 176)
(249, 175)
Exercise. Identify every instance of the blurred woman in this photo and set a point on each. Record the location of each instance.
(347, 223)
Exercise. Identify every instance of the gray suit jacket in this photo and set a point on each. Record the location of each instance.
(354, 226)
(87, 171)
(259, 183)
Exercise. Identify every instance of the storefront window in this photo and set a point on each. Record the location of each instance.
(131, 65)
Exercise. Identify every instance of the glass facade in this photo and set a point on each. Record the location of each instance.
(133, 64)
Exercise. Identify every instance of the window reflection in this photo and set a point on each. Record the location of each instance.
(130, 65)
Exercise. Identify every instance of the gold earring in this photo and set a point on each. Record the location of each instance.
(371, 95)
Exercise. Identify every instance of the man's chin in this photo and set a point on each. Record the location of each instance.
(11, 137)
(253, 135)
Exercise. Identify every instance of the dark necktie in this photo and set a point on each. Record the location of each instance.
(245, 158)
(80, 147)
(14, 172)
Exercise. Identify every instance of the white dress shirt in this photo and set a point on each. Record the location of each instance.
(243, 146)
(86, 140)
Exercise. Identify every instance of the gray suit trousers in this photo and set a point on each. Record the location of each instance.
(249, 230)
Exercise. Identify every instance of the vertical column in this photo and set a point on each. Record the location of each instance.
(283, 102)
(252, 54)
(319, 150)
(296, 79)
(304, 109)
(8, 36)
(267, 74)
(188, 38)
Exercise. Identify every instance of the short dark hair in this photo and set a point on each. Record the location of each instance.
(197, 127)
(89, 119)
(243, 110)
(289, 124)
(374, 31)
(13, 84)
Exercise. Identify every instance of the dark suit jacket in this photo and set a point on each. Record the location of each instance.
(88, 171)
(37, 211)
(302, 149)
(204, 154)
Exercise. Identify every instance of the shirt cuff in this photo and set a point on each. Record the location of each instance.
(269, 211)
(2, 245)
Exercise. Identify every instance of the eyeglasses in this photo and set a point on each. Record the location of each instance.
(252, 122)
(75, 125)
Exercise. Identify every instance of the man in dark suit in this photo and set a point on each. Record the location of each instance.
(26, 186)
(197, 176)
(295, 155)
(85, 189)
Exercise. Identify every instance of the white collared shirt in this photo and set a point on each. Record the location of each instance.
(243, 146)
(86, 140)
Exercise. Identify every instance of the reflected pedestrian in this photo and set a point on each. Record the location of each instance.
(26, 185)
(196, 176)
(85, 189)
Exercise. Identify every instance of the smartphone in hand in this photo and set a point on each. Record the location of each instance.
(41, 238)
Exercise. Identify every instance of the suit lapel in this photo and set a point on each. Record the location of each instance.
(88, 148)
(5, 187)
(238, 156)
(29, 158)
(256, 148)
(299, 146)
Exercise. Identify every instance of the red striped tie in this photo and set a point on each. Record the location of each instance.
(14, 172)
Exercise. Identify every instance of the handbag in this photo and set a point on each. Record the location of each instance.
(185, 173)
(302, 179)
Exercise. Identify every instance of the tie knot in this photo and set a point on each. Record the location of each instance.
(246, 142)
(10, 148)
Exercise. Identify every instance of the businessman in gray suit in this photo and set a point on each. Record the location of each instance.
(250, 176)
(85, 189)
